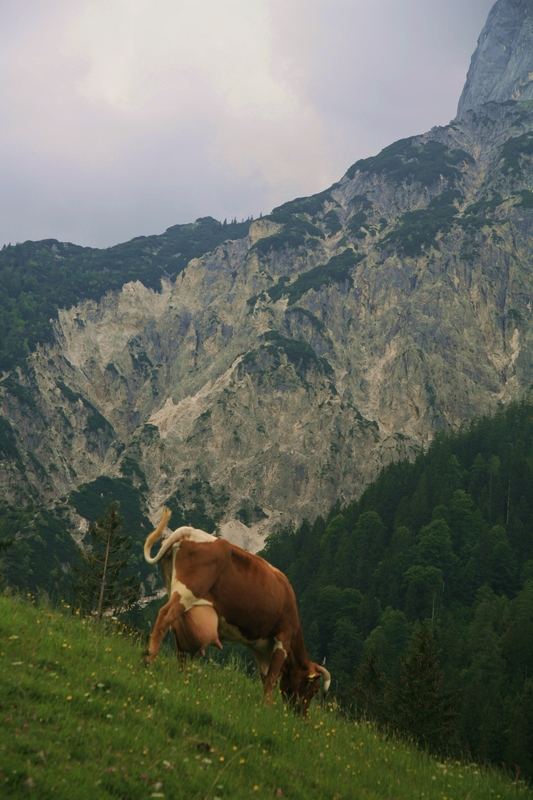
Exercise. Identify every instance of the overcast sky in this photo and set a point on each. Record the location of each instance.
(123, 117)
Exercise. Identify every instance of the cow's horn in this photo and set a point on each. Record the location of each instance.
(326, 676)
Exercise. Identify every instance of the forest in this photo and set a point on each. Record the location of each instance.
(420, 594)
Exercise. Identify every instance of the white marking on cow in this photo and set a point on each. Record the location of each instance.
(187, 598)
(279, 646)
(175, 538)
(186, 533)
(263, 660)
(262, 650)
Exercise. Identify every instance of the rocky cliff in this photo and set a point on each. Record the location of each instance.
(502, 65)
(280, 371)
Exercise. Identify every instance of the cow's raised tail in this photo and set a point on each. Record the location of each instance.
(153, 537)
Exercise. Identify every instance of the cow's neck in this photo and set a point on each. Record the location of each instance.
(298, 654)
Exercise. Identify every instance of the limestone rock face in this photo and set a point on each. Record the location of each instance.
(280, 372)
(502, 65)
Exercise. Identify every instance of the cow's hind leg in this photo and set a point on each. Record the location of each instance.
(168, 615)
(279, 654)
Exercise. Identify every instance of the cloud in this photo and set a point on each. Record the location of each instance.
(122, 117)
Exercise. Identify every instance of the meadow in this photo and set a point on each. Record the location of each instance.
(81, 717)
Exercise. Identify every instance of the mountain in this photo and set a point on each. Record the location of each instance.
(278, 371)
(502, 66)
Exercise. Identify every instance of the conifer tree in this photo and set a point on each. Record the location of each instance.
(5, 544)
(370, 689)
(104, 579)
(346, 647)
(369, 540)
(519, 752)
(421, 705)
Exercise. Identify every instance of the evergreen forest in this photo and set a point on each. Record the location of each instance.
(420, 594)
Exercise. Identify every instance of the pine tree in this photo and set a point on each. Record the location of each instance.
(434, 548)
(493, 469)
(104, 579)
(424, 586)
(346, 647)
(370, 689)
(5, 544)
(519, 750)
(421, 706)
(388, 640)
(369, 542)
(484, 712)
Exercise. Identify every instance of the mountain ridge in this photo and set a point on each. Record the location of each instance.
(281, 370)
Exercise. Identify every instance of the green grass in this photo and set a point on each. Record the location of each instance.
(81, 718)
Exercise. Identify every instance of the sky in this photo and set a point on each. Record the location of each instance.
(121, 118)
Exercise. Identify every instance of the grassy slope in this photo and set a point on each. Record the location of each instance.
(81, 718)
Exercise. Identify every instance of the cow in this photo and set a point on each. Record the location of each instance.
(219, 591)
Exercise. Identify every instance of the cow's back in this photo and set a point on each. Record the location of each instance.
(254, 595)
(245, 590)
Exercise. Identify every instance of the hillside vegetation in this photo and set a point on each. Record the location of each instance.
(39, 278)
(82, 718)
(420, 595)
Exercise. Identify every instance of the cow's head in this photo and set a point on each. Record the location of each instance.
(299, 685)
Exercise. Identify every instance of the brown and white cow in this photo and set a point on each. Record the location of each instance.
(217, 590)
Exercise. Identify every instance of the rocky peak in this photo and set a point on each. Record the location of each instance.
(502, 65)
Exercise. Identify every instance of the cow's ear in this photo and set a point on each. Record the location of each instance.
(313, 675)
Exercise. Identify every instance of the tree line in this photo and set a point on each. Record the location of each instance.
(420, 594)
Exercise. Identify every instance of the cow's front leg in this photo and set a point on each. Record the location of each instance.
(262, 657)
(279, 654)
(168, 617)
